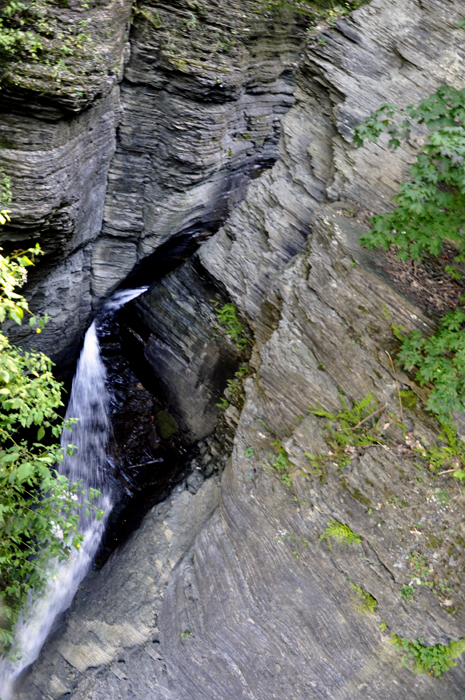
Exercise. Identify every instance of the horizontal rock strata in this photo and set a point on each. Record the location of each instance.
(191, 135)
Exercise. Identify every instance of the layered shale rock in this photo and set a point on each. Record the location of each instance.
(58, 121)
(185, 348)
(203, 97)
(198, 112)
(261, 607)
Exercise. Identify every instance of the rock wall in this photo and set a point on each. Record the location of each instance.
(188, 353)
(260, 607)
(195, 117)
(203, 96)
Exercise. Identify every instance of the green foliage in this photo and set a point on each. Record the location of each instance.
(349, 430)
(223, 404)
(151, 16)
(429, 209)
(235, 384)
(406, 592)
(13, 274)
(367, 604)
(423, 575)
(281, 463)
(431, 205)
(322, 10)
(318, 464)
(340, 532)
(166, 424)
(418, 564)
(439, 362)
(353, 430)
(228, 321)
(408, 399)
(38, 507)
(448, 451)
(5, 191)
(38, 42)
(434, 660)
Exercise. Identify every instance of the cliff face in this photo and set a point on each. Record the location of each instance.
(256, 606)
(195, 116)
(203, 96)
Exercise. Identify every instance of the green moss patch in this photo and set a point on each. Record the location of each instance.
(166, 424)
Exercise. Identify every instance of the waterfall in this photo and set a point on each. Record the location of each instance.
(89, 403)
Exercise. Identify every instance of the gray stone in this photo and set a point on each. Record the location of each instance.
(191, 134)
(97, 627)
(258, 605)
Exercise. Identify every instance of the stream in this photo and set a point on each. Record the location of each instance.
(89, 403)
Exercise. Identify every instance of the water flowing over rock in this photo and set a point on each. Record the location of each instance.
(88, 404)
(242, 599)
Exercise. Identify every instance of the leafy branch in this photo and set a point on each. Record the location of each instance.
(430, 207)
(39, 508)
(434, 660)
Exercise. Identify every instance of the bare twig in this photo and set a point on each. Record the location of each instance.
(143, 464)
(381, 444)
(368, 417)
(397, 385)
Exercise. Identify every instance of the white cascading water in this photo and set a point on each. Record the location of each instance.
(89, 402)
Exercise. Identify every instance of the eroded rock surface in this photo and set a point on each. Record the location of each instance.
(196, 116)
(259, 607)
(185, 348)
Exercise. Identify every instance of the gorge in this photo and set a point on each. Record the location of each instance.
(220, 125)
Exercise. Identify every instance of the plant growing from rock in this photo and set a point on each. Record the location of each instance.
(42, 45)
(438, 362)
(340, 532)
(226, 315)
(281, 463)
(431, 205)
(434, 660)
(366, 602)
(38, 507)
(407, 592)
(430, 208)
(347, 432)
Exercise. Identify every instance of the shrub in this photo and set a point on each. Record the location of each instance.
(429, 209)
(431, 205)
(38, 506)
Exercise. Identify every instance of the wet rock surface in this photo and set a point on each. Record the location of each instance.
(250, 602)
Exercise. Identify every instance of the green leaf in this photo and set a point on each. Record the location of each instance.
(25, 471)
(40, 433)
(9, 457)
